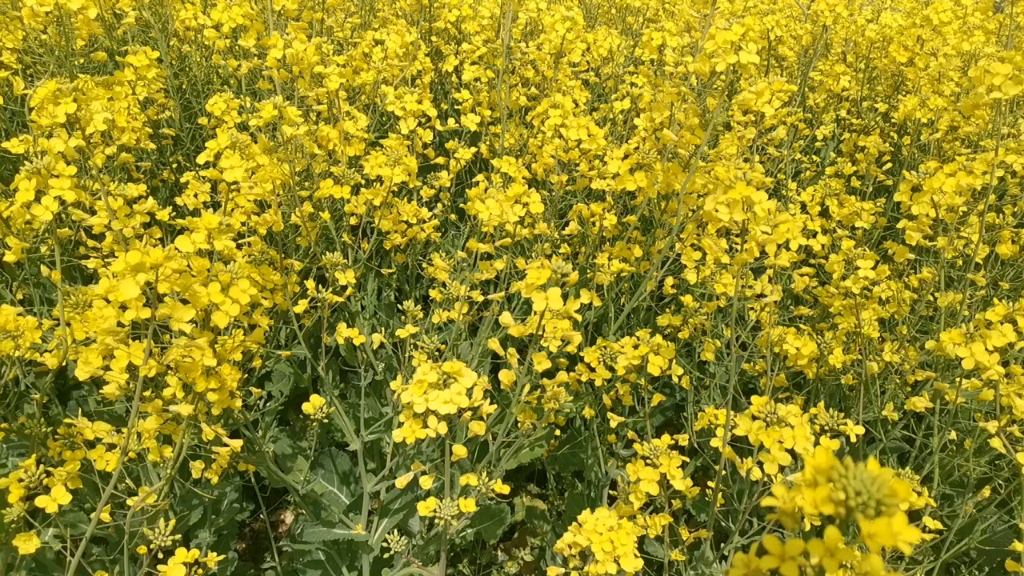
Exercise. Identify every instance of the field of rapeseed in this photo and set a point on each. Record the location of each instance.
(511, 287)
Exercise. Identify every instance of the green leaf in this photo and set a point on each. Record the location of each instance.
(298, 470)
(321, 533)
(489, 522)
(284, 446)
(334, 481)
(281, 379)
(315, 559)
(529, 507)
(534, 448)
(398, 505)
(221, 512)
(895, 447)
(76, 522)
(655, 548)
(572, 453)
(348, 352)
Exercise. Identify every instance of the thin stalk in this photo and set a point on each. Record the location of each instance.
(129, 429)
(726, 436)
(266, 522)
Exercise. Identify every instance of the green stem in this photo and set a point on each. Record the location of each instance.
(123, 456)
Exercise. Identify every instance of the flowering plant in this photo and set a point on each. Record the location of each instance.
(511, 287)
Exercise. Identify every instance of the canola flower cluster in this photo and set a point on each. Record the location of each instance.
(438, 391)
(511, 286)
(829, 496)
(609, 538)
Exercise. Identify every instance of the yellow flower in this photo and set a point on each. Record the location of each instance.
(500, 488)
(179, 564)
(890, 413)
(495, 346)
(918, 404)
(59, 496)
(343, 333)
(507, 378)
(406, 331)
(784, 557)
(746, 563)
(315, 403)
(316, 408)
(26, 543)
(459, 452)
(477, 428)
(886, 532)
(127, 289)
(614, 420)
(831, 551)
(403, 480)
(467, 505)
(541, 362)
(427, 507)
(212, 559)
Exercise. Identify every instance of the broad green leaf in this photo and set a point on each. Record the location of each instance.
(571, 453)
(490, 521)
(334, 481)
(654, 547)
(396, 507)
(527, 506)
(533, 449)
(282, 377)
(298, 471)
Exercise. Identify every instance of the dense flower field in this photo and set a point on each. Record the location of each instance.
(502, 287)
